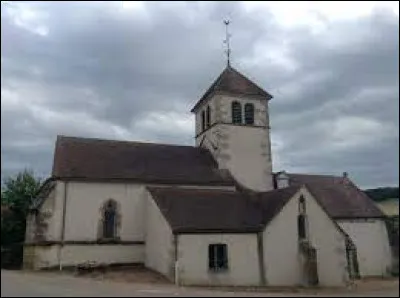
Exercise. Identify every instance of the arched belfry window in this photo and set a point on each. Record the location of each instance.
(208, 116)
(236, 112)
(249, 113)
(203, 120)
(110, 220)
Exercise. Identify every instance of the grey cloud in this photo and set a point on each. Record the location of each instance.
(105, 72)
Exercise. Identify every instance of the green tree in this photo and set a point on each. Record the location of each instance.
(17, 195)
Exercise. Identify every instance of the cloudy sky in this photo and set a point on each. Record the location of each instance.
(132, 71)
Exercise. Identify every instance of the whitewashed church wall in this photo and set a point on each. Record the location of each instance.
(281, 253)
(243, 267)
(84, 204)
(106, 254)
(282, 256)
(372, 242)
(71, 254)
(159, 252)
(329, 242)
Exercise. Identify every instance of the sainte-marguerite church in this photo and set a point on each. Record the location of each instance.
(210, 214)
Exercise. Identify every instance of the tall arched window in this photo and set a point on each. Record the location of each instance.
(109, 220)
(302, 219)
(203, 121)
(208, 116)
(249, 113)
(236, 112)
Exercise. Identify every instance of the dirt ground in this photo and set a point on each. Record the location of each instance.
(141, 275)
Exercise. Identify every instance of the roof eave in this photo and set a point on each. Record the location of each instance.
(211, 94)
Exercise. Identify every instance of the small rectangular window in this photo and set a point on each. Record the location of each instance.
(218, 257)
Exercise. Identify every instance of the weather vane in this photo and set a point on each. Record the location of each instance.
(226, 41)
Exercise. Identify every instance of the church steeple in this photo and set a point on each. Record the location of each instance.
(232, 82)
(226, 41)
(232, 123)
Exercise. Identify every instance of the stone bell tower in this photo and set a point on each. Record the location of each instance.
(232, 123)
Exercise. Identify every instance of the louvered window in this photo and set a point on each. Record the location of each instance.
(236, 112)
(249, 113)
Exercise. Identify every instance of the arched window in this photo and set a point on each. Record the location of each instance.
(109, 220)
(236, 112)
(249, 113)
(208, 116)
(203, 120)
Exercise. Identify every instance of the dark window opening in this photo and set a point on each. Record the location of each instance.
(301, 226)
(236, 112)
(208, 117)
(203, 120)
(302, 205)
(217, 257)
(249, 113)
(109, 220)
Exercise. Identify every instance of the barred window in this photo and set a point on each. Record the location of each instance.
(236, 112)
(249, 113)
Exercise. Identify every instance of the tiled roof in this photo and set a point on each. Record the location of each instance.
(96, 159)
(233, 82)
(214, 211)
(340, 197)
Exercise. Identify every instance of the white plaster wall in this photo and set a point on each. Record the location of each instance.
(84, 201)
(247, 156)
(373, 250)
(329, 242)
(282, 258)
(106, 254)
(159, 252)
(242, 259)
(47, 256)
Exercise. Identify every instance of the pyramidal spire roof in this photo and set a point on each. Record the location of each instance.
(233, 82)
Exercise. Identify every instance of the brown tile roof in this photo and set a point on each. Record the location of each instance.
(340, 197)
(233, 82)
(271, 202)
(84, 158)
(213, 211)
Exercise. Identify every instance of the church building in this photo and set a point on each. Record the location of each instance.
(210, 214)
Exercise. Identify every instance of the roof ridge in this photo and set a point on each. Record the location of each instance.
(192, 189)
(60, 137)
(315, 175)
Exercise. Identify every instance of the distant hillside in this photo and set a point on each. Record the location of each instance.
(382, 193)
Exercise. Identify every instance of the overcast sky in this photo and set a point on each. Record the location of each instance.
(133, 71)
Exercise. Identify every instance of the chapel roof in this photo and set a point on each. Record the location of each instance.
(233, 82)
(96, 159)
(340, 197)
(219, 211)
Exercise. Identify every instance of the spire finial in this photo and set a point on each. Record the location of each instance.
(226, 41)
